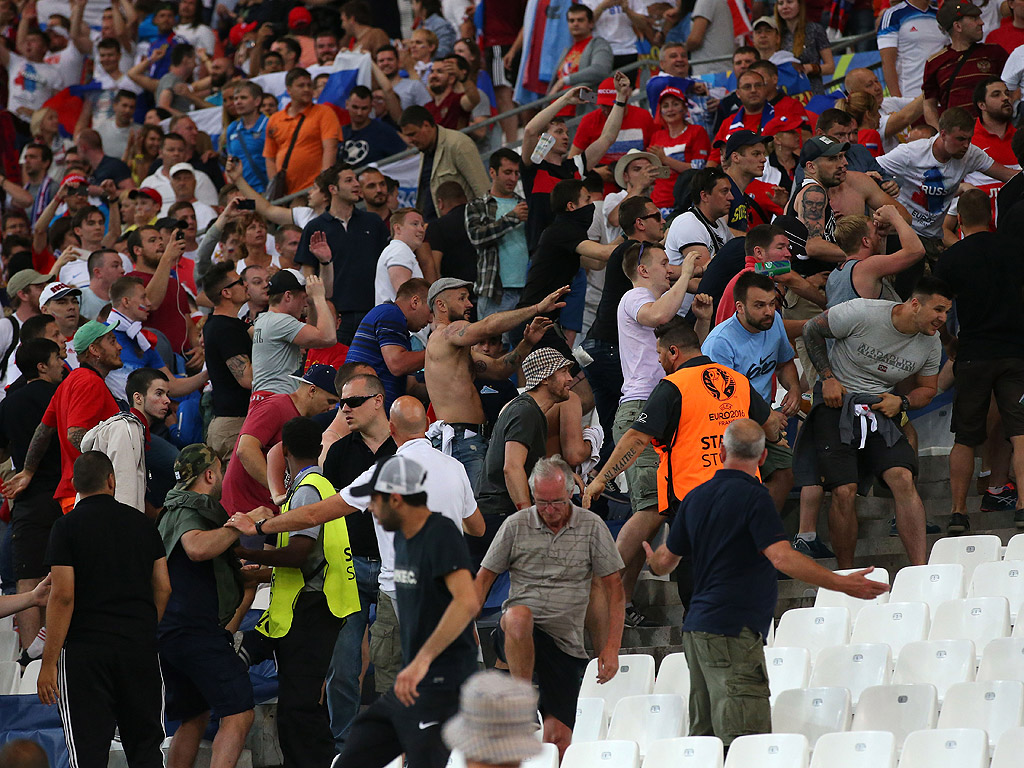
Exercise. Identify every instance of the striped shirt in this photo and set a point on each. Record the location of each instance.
(384, 325)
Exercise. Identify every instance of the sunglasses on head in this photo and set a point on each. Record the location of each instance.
(355, 401)
(233, 283)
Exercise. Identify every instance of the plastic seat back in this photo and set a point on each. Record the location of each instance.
(812, 712)
(993, 705)
(940, 662)
(813, 629)
(898, 709)
(894, 623)
(1004, 578)
(648, 718)
(788, 668)
(945, 748)
(685, 752)
(932, 584)
(855, 666)
(968, 551)
(634, 678)
(855, 749)
(602, 754)
(769, 750)
(826, 597)
(980, 619)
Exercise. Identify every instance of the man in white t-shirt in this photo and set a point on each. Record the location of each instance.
(651, 302)
(173, 152)
(908, 35)
(711, 34)
(703, 227)
(109, 75)
(68, 45)
(929, 172)
(620, 24)
(30, 81)
(397, 262)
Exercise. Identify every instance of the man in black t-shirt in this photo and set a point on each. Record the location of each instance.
(228, 357)
(110, 588)
(454, 255)
(437, 602)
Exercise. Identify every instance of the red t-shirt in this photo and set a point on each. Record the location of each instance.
(979, 62)
(1007, 36)
(871, 140)
(332, 356)
(82, 400)
(502, 22)
(691, 146)
(242, 493)
(171, 318)
(635, 133)
(449, 113)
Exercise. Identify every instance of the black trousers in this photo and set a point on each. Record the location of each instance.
(303, 658)
(103, 686)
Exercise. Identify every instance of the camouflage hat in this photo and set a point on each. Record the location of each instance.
(191, 463)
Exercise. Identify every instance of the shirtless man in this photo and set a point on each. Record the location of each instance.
(451, 364)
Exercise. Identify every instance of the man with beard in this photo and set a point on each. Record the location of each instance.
(825, 167)
(374, 189)
(81, 402)
(453, 93)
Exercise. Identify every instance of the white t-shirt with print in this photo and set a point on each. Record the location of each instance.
(30, 84)
(917, 36)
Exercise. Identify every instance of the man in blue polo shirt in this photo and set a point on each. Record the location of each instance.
(247, 134)
(355, 238)
(734, 535)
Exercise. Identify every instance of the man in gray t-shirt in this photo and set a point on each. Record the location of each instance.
(279, 335)
(877, 345)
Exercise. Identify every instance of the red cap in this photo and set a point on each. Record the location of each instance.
(299, 17)
(671, 90)
(152, 194)
(781, 123)
(606, 92)
(74, 177)
(239, 31)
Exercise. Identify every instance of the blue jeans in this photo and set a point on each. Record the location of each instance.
(470, 452)
(343, 694)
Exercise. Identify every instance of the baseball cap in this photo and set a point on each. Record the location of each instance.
(606, 92)
(182, 167)
(781, 123)
(445, 284)
(89, 333)
(952, 12)
(57, 291)
(821, 146)
(396, 474)
(239, 31)
(286, 280)
(541, 363)
(741, 139)
(769, 20)
(152, 194)
(671, 90)
(74, 177)
(299, 17)
(193, 460)
(320, 375)
(23, 279)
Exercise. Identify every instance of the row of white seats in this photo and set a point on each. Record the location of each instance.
(945, 748)
(13, 681)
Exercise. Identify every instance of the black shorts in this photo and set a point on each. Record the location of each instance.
(32, 517)
(203, 673)
(501, 76)
(557, 674)
(844, 464)
(976, 382)
(387, 728)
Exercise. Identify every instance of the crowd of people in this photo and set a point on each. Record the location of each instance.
(673, 300)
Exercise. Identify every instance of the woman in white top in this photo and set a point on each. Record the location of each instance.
(45, 128)
(191, 28)
(252, 250)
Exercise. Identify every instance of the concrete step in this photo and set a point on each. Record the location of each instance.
(666, 634)
(659, 652)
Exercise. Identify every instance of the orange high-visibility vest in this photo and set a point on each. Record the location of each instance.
(713, 397)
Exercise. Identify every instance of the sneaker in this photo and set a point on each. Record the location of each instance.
(929, 527)
(958, 523)
(1006, 499)
(814, 549)
(635, 619)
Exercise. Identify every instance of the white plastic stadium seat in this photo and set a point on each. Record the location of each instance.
(1009, 749)
(994, 705)
(1014, 548)
(602, 754)
(770, 640)
(685, 752)
(788, 668)
(855, 749)
(932, 584)
(30, 677)
(634, 678)
(768, 750)
(894, 623)
(1003, 659)
(591, 722)
(855, 666)
(673, 676)
(946, 748)
(940, 662)
(648, 718)
(548, 758)
(898, 709)
(9, 645)
(980, 619)
(968, 551)
(827, 598)
(10, 671)
(812, 712)
(813, 629)
(7, 623)
(1004, 578)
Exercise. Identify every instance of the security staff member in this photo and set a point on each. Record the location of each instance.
(313, 590)
(688, 440)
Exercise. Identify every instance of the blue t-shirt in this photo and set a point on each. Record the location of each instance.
(132, 358)
(370, 144)
(755, 355)
(239, 140)
(513, 255)
(725, 525)
(384, 325)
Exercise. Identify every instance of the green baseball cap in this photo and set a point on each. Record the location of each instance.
(89, 333)
(193, 460)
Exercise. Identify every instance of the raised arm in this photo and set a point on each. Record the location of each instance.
(612, 125)
(466, 334)
(539, 123)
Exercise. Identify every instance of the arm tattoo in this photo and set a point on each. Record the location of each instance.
(237, 365)
(480, 366)
(37, 447)
(75, 435)
(511, 360)
(811, 210)
(815, 332)
(612, 472)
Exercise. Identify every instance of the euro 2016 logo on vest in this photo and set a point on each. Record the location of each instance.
(719, 383)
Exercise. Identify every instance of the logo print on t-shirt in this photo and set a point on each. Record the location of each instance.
(932, 194)
(719, 383)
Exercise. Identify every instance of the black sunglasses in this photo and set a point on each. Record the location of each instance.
(656, 215)
(232, 284)
(355, 401)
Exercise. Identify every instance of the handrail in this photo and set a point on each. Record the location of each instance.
(842, 42)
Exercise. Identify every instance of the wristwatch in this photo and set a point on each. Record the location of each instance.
(905, 401)
(259, 527)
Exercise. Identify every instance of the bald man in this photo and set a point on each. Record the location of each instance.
(897, 112)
